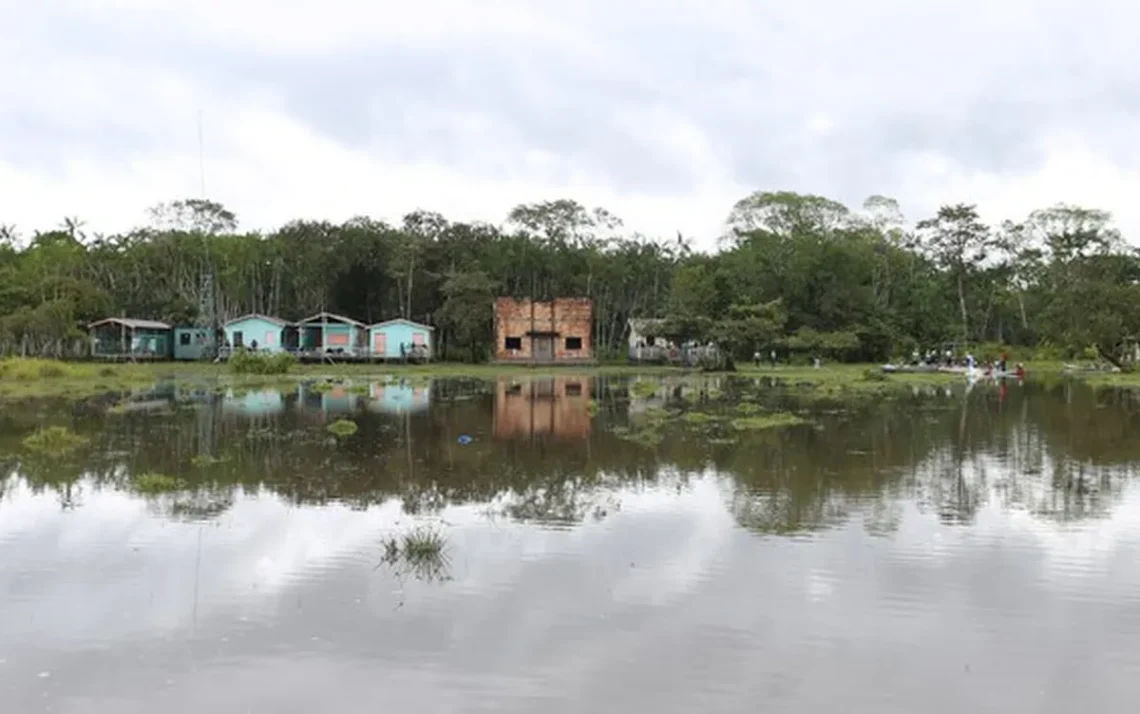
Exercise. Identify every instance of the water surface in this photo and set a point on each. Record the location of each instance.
(945, 551)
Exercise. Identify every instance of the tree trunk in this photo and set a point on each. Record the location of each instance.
(962, 307)
(1107, 356)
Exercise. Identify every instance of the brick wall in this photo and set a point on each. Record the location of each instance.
(568, 317)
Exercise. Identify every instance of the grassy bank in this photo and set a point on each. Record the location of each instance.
(37, 377)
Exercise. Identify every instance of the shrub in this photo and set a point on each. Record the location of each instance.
(246, 362)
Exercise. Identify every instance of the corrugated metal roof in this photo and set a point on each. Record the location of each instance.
(321, 316)
(403, 320)
(132, 323)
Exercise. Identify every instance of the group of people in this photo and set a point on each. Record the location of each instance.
(1000, 366)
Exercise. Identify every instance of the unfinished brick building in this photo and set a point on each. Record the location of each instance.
(555, 332)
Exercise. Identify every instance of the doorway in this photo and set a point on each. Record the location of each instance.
(543, 348)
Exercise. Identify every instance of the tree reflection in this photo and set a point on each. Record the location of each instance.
(1061, 452)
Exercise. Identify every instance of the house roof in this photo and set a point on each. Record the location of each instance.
(132, 323)
(322, 316)
(401, 320)
(258, 316)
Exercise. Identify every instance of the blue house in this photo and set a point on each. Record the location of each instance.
(261, 332)
(194, 343)
(401, 339)
(328, 333)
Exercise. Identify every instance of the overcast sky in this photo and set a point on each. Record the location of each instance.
(664, 112)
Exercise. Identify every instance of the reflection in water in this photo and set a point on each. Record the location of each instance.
(945, 551)
(558, 406)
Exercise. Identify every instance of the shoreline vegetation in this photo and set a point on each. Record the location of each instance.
(33, 377)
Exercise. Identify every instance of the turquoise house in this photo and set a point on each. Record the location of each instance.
(401, 339)
(328, 333)
(261, 332)
(194, 343)
(254, 404)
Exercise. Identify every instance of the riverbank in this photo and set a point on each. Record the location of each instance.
(38, 377)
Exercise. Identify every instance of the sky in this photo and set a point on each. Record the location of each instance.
(664, 112)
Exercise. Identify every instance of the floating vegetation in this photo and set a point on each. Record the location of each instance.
(58, 440)
(749, 408)
(421, 553)
(322, 386)
(202, 461)
(699, 418)
(343, 428)
(644, 388)
(154, 483)
(772, 420)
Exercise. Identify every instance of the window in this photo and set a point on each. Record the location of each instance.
(184, 339)
(239, 339)
(573, 343)
(650, 340)
(513, 343)
(573, 389)
(419, 339)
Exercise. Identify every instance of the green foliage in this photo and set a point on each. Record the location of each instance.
(154, 483)
(798, 271)
(246, 362)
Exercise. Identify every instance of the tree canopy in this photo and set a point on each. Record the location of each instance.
(799, 273)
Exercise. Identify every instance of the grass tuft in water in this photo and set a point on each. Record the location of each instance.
(155, 483)
(343, 428)
(58, 440)
(421, 552)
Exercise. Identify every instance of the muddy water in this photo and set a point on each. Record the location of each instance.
(209, 551)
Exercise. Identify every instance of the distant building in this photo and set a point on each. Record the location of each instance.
(131, 339)
(264, 333)
(328, 333)
(555, 332)
(401, 339)
(194, 343)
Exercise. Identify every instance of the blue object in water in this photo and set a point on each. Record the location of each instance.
(464, 439)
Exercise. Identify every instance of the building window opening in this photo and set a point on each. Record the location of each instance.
(513, 343)
(573, 343)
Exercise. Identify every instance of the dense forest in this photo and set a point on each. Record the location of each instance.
(799, 273)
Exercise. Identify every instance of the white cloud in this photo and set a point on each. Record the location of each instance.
(666, 113)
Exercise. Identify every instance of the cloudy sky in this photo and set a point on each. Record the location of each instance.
(665, 112)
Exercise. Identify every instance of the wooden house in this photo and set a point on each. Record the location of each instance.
(555, 332)
(194, 343)
(329, 334)
(401, 339)
(263, 333)
(129, 338)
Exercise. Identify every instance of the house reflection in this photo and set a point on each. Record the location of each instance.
(403, 397)
(328, 398)
(254, 403)
(558, 406)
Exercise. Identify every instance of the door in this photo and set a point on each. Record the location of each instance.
(379, 344)
(543, 349)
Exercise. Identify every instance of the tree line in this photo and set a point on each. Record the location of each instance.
(799, 273)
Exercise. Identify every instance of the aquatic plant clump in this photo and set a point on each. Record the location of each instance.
(153, 483)
(343, 427)
(773, 420)
(57, 440)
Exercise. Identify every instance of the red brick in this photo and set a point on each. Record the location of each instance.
(563, 317)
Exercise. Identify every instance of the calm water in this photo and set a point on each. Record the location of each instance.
(949, 551)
